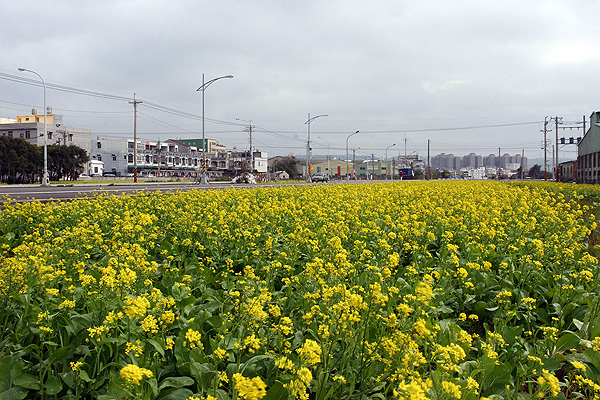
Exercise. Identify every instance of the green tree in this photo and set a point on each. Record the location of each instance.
(287, 164)
(536, 172)
(20, 161)
(66, 162)
(418, 173)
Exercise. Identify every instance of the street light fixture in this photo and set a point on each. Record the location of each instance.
(347, 167)
(328, 155)
(45, 178)
(204, 178)
(386, 160)
(308, 178)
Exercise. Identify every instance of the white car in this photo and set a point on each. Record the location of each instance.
(320, 177)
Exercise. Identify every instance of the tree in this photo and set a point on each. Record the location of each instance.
(287, 164)
(535, 172)
(66, 162)
(418, 173)
(20, 161)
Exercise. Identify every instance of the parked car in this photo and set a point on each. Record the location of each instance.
(245, 178)
(110, 174)
(320, 177)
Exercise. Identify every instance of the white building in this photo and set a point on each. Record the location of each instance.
(260, 161)
(31, 128)
(168, 158)
(476, 173)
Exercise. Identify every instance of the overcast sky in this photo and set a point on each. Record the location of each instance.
(470, 76)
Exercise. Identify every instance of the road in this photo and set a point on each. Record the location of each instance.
(23, 193)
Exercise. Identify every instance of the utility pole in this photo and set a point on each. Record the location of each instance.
(499, 163)
(428, 166)
(135, 103)
(353, 162)
(556, 165)
(249, 130)
(373, 167)
(159, 149)
(545, 150)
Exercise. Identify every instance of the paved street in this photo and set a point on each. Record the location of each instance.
(66, 192)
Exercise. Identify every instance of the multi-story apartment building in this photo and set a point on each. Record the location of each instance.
(31, 128)
(169, 158)
(472, 161)
(447, 162)
(451, 162)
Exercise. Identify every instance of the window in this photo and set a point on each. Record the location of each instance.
(114, 157)
(27, 134)
(99, 158)
(49, 135)
(99, 144)
(10, 134)
(21, 135)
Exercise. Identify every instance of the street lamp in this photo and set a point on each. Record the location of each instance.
(386, 167)
(347, 168)
(328, 157)
(308, 179)
(45, 178)
(202, 88)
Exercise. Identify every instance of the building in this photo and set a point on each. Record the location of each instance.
(588, 152)
(490, 161)
(472, 161)
(448, 162)
(170, 158)
(212, 146)
(568, 171)
(30, 127)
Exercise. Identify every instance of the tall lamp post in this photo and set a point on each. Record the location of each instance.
(347, 167)
(308, 121)
(328, 155)
(204, 178)
(386, 166)
(45, 178)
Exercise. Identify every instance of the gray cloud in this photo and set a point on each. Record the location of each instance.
(394, 70)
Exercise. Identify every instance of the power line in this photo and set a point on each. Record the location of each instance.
(62, 88)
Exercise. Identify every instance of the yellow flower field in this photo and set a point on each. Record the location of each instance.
(404, 290)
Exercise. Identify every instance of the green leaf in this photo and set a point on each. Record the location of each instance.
(53, 385)
(276, 392)
(175, 394)
(84, 376)
(15, 393)
(552, 364)
(579, 357)
(176, 382)
(566, 342)
(594, 328)
(256, 359)
(4, 374)
(60, 354)
(27, 381)
(157, 346)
